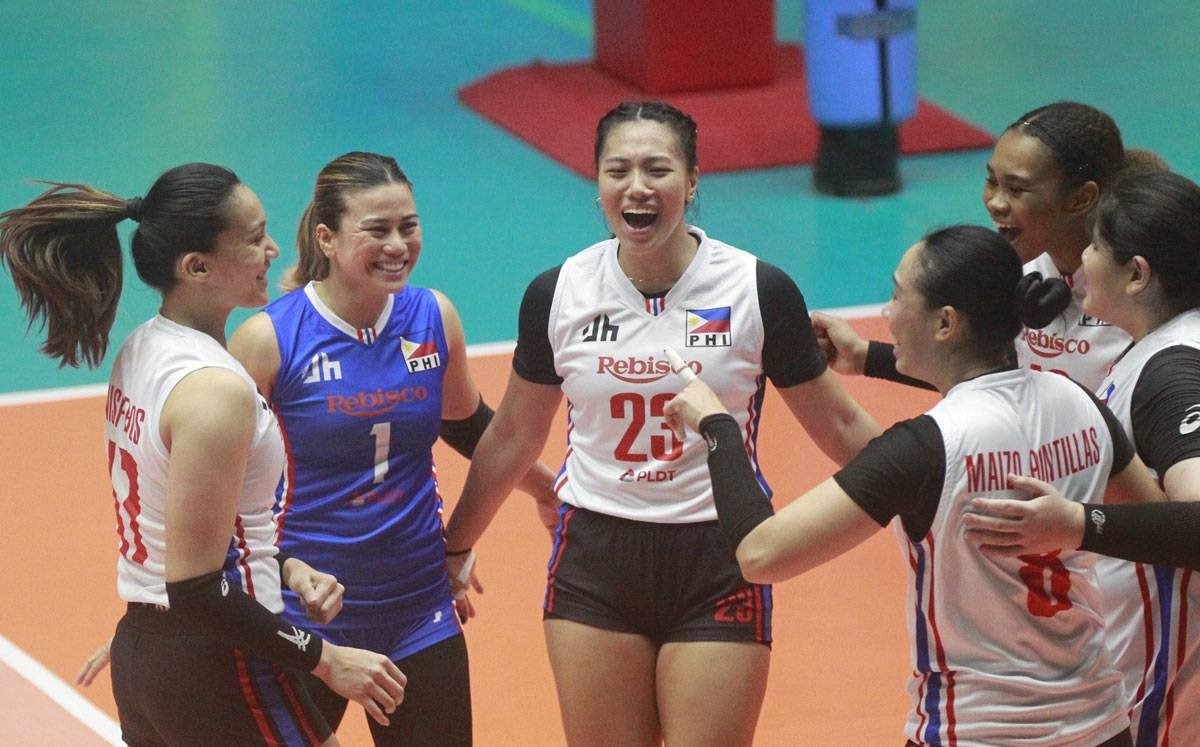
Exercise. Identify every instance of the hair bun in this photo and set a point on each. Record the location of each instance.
(1039, 300)
(133, 209)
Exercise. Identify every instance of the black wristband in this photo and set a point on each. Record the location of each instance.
(224, 612)
(281, 557)
(1094, 520)
(740, 500)
(456, 553)
(463, 435)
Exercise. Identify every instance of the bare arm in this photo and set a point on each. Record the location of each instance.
(820, 525)
(836, 422)
(509, 447)
(1182, 480)
(813, 529)
(461, 397)
(255, 346)
(208, 424)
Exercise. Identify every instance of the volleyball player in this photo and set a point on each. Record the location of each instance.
(1003, 652)
(201, 656)
(365, 373)
(652, 634)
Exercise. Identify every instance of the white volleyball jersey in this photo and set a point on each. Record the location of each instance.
(1011, 651)
(150, 363)
(608, 340)
(1153, 612)
(1074, 344)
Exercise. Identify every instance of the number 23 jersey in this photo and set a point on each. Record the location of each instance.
(733, 319)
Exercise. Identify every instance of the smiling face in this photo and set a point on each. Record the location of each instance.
(1106, 279)
(1026, 197)
(910, 320)
(645, 185)
(242, 253)
(378, 241)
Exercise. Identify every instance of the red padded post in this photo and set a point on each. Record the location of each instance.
(664, 46)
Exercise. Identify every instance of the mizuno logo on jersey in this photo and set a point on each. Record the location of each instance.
(1191, 421)
(298, 638)
(1091, 321)
(600, 329)
(708, 328)
(420, 356)
(323, 368)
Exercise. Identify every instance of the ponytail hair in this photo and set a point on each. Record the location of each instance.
(64, 254)
(341, 177)
(975, 271)
(64, 257)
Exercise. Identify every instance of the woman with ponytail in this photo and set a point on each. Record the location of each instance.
(366, 372)
(1044, 179)
(1003, 651)
(201, 656)
(1143, 277)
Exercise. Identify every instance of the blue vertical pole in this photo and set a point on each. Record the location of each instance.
(861, 67)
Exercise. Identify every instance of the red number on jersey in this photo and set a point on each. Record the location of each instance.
(124, 475)
(1046, 598)
(633, 406)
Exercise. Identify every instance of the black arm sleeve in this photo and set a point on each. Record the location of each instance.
(1165, 408)
(741, 502)
(900, 473)
(463, 435)
(790, 354)
(224, 612)
(1161, 533)
(534, 358)
(881, 364)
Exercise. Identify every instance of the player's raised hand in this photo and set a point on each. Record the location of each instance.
(842, 346)
(694, 403)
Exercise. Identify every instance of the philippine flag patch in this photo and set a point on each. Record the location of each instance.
(420, 356)
(708, 328)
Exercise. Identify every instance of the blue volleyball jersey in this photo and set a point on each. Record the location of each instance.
(360, 411)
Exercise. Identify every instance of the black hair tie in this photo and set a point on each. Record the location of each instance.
(133, 209)
(1040, 300)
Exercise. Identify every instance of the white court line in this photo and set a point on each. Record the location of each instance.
(62, 394)
(60, 692)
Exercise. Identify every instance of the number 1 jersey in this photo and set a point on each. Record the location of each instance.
(360, 410)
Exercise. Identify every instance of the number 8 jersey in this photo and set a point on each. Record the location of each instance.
(585, 326)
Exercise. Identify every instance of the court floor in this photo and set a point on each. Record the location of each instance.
(113, 92)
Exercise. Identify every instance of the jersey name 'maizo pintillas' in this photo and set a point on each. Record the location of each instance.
(1061, 457)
